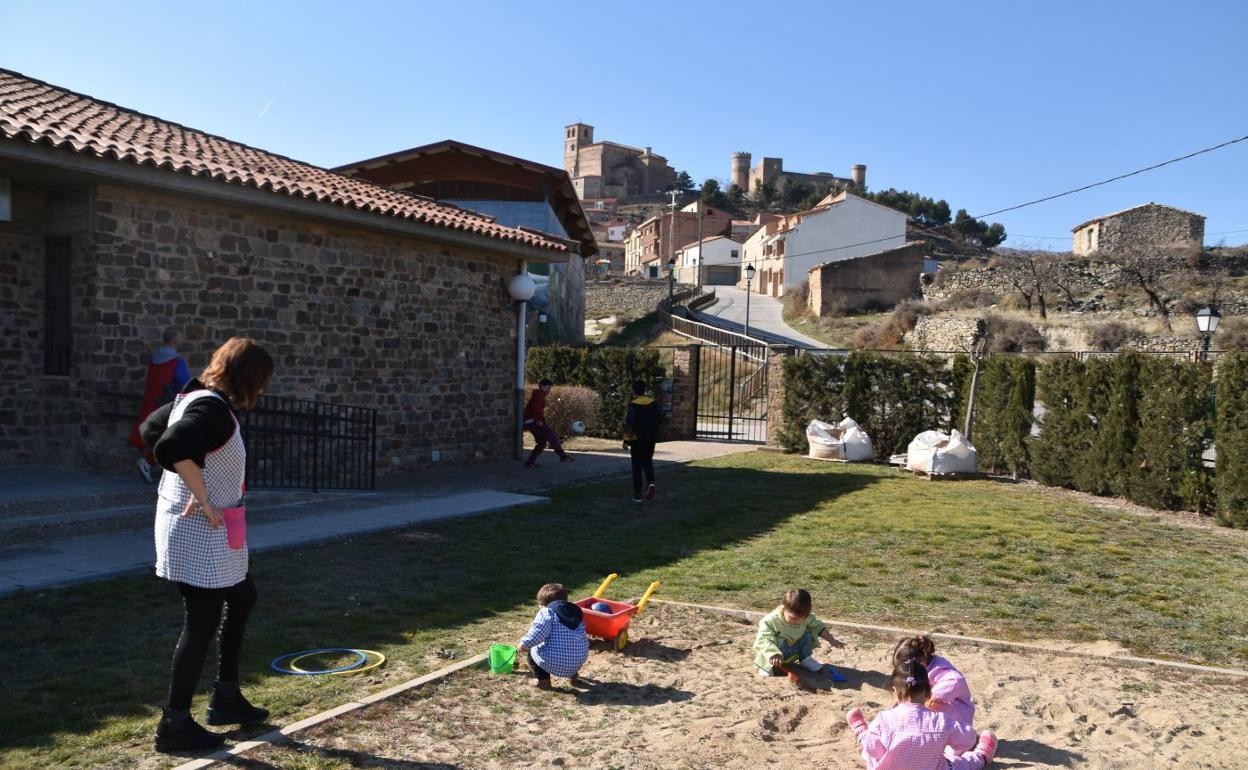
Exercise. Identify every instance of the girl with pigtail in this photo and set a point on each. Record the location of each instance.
(950, 693)
(910, 736)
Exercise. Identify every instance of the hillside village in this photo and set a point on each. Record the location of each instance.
(841, 257)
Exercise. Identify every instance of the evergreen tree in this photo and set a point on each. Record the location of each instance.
(1117, 435)
(1232, 440)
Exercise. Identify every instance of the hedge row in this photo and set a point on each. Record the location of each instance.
(1231, 429)
(610, 372)
(1132, 426)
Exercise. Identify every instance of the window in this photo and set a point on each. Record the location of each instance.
(57, 328)
(734, 254)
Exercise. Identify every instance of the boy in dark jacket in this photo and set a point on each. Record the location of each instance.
(641, 432)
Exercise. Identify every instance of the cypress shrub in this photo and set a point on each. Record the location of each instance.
(1092, 392)
(1232, 440)
(814, 388)
(1003, 413)
(1114, 451)
(1173, 421)
(1065, 431)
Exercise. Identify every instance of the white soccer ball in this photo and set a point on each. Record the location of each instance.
(578, 427)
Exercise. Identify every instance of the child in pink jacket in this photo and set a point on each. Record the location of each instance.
(950, 693)
(910, 736)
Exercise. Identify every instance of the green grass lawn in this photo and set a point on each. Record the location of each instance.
(85, 667)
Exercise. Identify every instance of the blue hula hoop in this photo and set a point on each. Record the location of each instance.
(359, 661)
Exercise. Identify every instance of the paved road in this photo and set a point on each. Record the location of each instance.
(765, 315)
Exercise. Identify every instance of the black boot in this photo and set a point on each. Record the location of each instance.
(178, 732)
(229, 707)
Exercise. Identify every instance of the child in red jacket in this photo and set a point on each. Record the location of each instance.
(535, 423)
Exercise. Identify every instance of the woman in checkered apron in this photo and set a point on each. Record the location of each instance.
(200, 536)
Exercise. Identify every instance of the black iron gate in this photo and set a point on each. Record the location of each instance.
(295, 443)
(732, 393)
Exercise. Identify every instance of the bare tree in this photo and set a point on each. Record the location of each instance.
(1030, 272)
(1161, 272)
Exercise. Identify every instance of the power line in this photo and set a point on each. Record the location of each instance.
(1114, 179)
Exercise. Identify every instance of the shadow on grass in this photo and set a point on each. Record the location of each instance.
(99, 652)
(1032, 753)
(354, 758)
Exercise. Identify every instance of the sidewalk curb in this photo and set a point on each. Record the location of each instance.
(346, 708)
(894, 633)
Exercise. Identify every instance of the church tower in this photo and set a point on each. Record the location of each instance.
(575, 137)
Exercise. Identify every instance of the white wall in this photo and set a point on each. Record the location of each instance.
(849, 229)
(716, 252)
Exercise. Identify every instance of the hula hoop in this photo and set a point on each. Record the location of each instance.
(360, 658)
(355, 669)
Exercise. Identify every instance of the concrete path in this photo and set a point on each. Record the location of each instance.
(88, 559)
(765, 315)
(400, 500)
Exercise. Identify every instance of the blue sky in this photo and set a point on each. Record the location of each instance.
(985, 104)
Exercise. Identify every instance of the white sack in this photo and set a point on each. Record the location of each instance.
(843, 441)
(934, 452)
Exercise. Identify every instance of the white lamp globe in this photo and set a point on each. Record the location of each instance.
(749, 272)
(522, 287)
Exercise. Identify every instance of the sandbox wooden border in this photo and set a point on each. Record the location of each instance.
(276, 735)
(890, 631)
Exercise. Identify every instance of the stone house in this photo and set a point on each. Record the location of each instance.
(610, 170)
(514, 192)
(843, 226)
(1146, 225)
(874, 282)
(122, 223)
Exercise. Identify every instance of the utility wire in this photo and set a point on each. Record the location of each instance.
(950, 225)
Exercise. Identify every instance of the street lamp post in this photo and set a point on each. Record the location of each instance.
(521, 287)
(749, 276)
(1207, 319)
(671, 281)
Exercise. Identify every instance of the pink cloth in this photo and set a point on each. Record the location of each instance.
(911, 737)
(950, 686)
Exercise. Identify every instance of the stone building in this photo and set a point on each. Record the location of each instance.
(874, 282)
(1147, 225)
(122, 224)
(514, 192)
(771, 170)
(610, 170)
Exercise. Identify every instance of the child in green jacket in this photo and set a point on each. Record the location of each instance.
(789, 634)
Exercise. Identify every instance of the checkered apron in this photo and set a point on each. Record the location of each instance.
(188, 549)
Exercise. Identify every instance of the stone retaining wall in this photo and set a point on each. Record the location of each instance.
(620, 295)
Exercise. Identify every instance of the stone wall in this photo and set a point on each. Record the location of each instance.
(422, 332)
(616, 296)
(941, 333)
(874, 282)
(775, 391)
(683, 423)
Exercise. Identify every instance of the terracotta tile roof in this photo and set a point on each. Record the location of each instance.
(38, 113)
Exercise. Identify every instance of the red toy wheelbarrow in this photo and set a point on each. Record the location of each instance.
(612, 625)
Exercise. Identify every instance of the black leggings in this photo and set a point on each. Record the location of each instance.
(642, 454)
(537, 670)
(204, 617)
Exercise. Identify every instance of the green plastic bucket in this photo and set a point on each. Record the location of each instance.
(502, 658)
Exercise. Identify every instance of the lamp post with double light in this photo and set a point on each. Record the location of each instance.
(749, 276)
(1207, 319)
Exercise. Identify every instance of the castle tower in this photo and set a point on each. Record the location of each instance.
(858, 173)
(741, 170)
(575, 137)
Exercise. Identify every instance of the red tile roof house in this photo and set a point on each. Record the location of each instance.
(118, 224)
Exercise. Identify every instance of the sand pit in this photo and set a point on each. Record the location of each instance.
(683, 696)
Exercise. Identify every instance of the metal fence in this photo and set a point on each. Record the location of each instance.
(300, 444)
